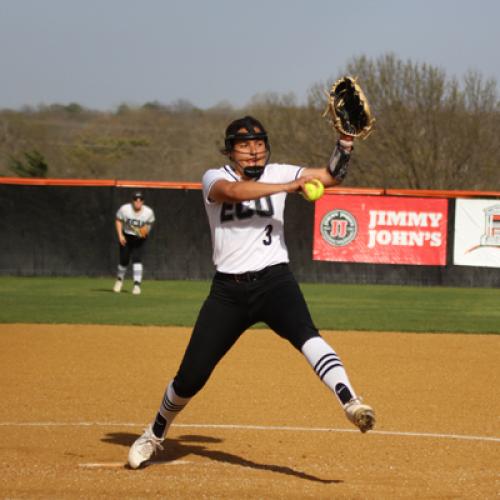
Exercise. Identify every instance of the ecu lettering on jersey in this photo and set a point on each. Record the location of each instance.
(262, 207)
(132, 219)
(248, 236)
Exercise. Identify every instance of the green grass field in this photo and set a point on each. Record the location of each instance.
(176, 303)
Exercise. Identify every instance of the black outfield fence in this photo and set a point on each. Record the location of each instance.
(63, 229)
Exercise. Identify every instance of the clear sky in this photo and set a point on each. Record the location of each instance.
(101, 53)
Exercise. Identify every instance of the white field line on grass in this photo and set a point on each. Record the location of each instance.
(253, 428)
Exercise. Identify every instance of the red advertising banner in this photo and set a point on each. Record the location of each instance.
(380, 229)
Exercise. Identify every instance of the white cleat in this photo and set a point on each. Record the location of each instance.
(361, 415)
(136, 290)
(117, 288)
(144, 448)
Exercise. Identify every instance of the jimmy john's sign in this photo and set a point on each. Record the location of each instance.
(380, 229)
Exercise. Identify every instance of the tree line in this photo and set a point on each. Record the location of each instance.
(432, 131)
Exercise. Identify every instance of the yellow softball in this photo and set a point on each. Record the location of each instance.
(313, 190)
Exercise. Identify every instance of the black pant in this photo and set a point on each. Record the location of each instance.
(133, 249)
(235, 303)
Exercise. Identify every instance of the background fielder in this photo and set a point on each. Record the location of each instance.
(245, 202)
(133, 224)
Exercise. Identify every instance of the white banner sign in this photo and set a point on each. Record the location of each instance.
(477, 233)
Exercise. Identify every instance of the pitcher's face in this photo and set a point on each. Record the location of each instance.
(249, 152)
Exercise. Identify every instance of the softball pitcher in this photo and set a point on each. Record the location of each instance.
(245, 201)
(133, 224)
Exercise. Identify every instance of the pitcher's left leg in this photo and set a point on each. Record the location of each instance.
(286, 312)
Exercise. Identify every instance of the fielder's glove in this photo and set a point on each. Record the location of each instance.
(141, 232)
(348, 110)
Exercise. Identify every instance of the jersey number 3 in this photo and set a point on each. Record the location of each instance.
(269, 230)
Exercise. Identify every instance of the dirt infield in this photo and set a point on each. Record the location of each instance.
(75, 397)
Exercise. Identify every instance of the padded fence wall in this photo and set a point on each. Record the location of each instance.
(69, 231)
(55, 230)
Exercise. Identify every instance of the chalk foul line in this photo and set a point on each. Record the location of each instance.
(255, 428)
(121, 465)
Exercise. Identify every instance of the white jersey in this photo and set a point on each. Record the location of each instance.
(132, 219)
(249, 235)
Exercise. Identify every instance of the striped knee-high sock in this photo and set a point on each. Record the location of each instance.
(329, 368)
(170, 407)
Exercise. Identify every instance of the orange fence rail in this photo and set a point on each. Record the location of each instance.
(31, 181)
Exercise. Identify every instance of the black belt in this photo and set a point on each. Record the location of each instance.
(246, 277)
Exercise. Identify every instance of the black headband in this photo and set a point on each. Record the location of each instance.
(251, 125)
